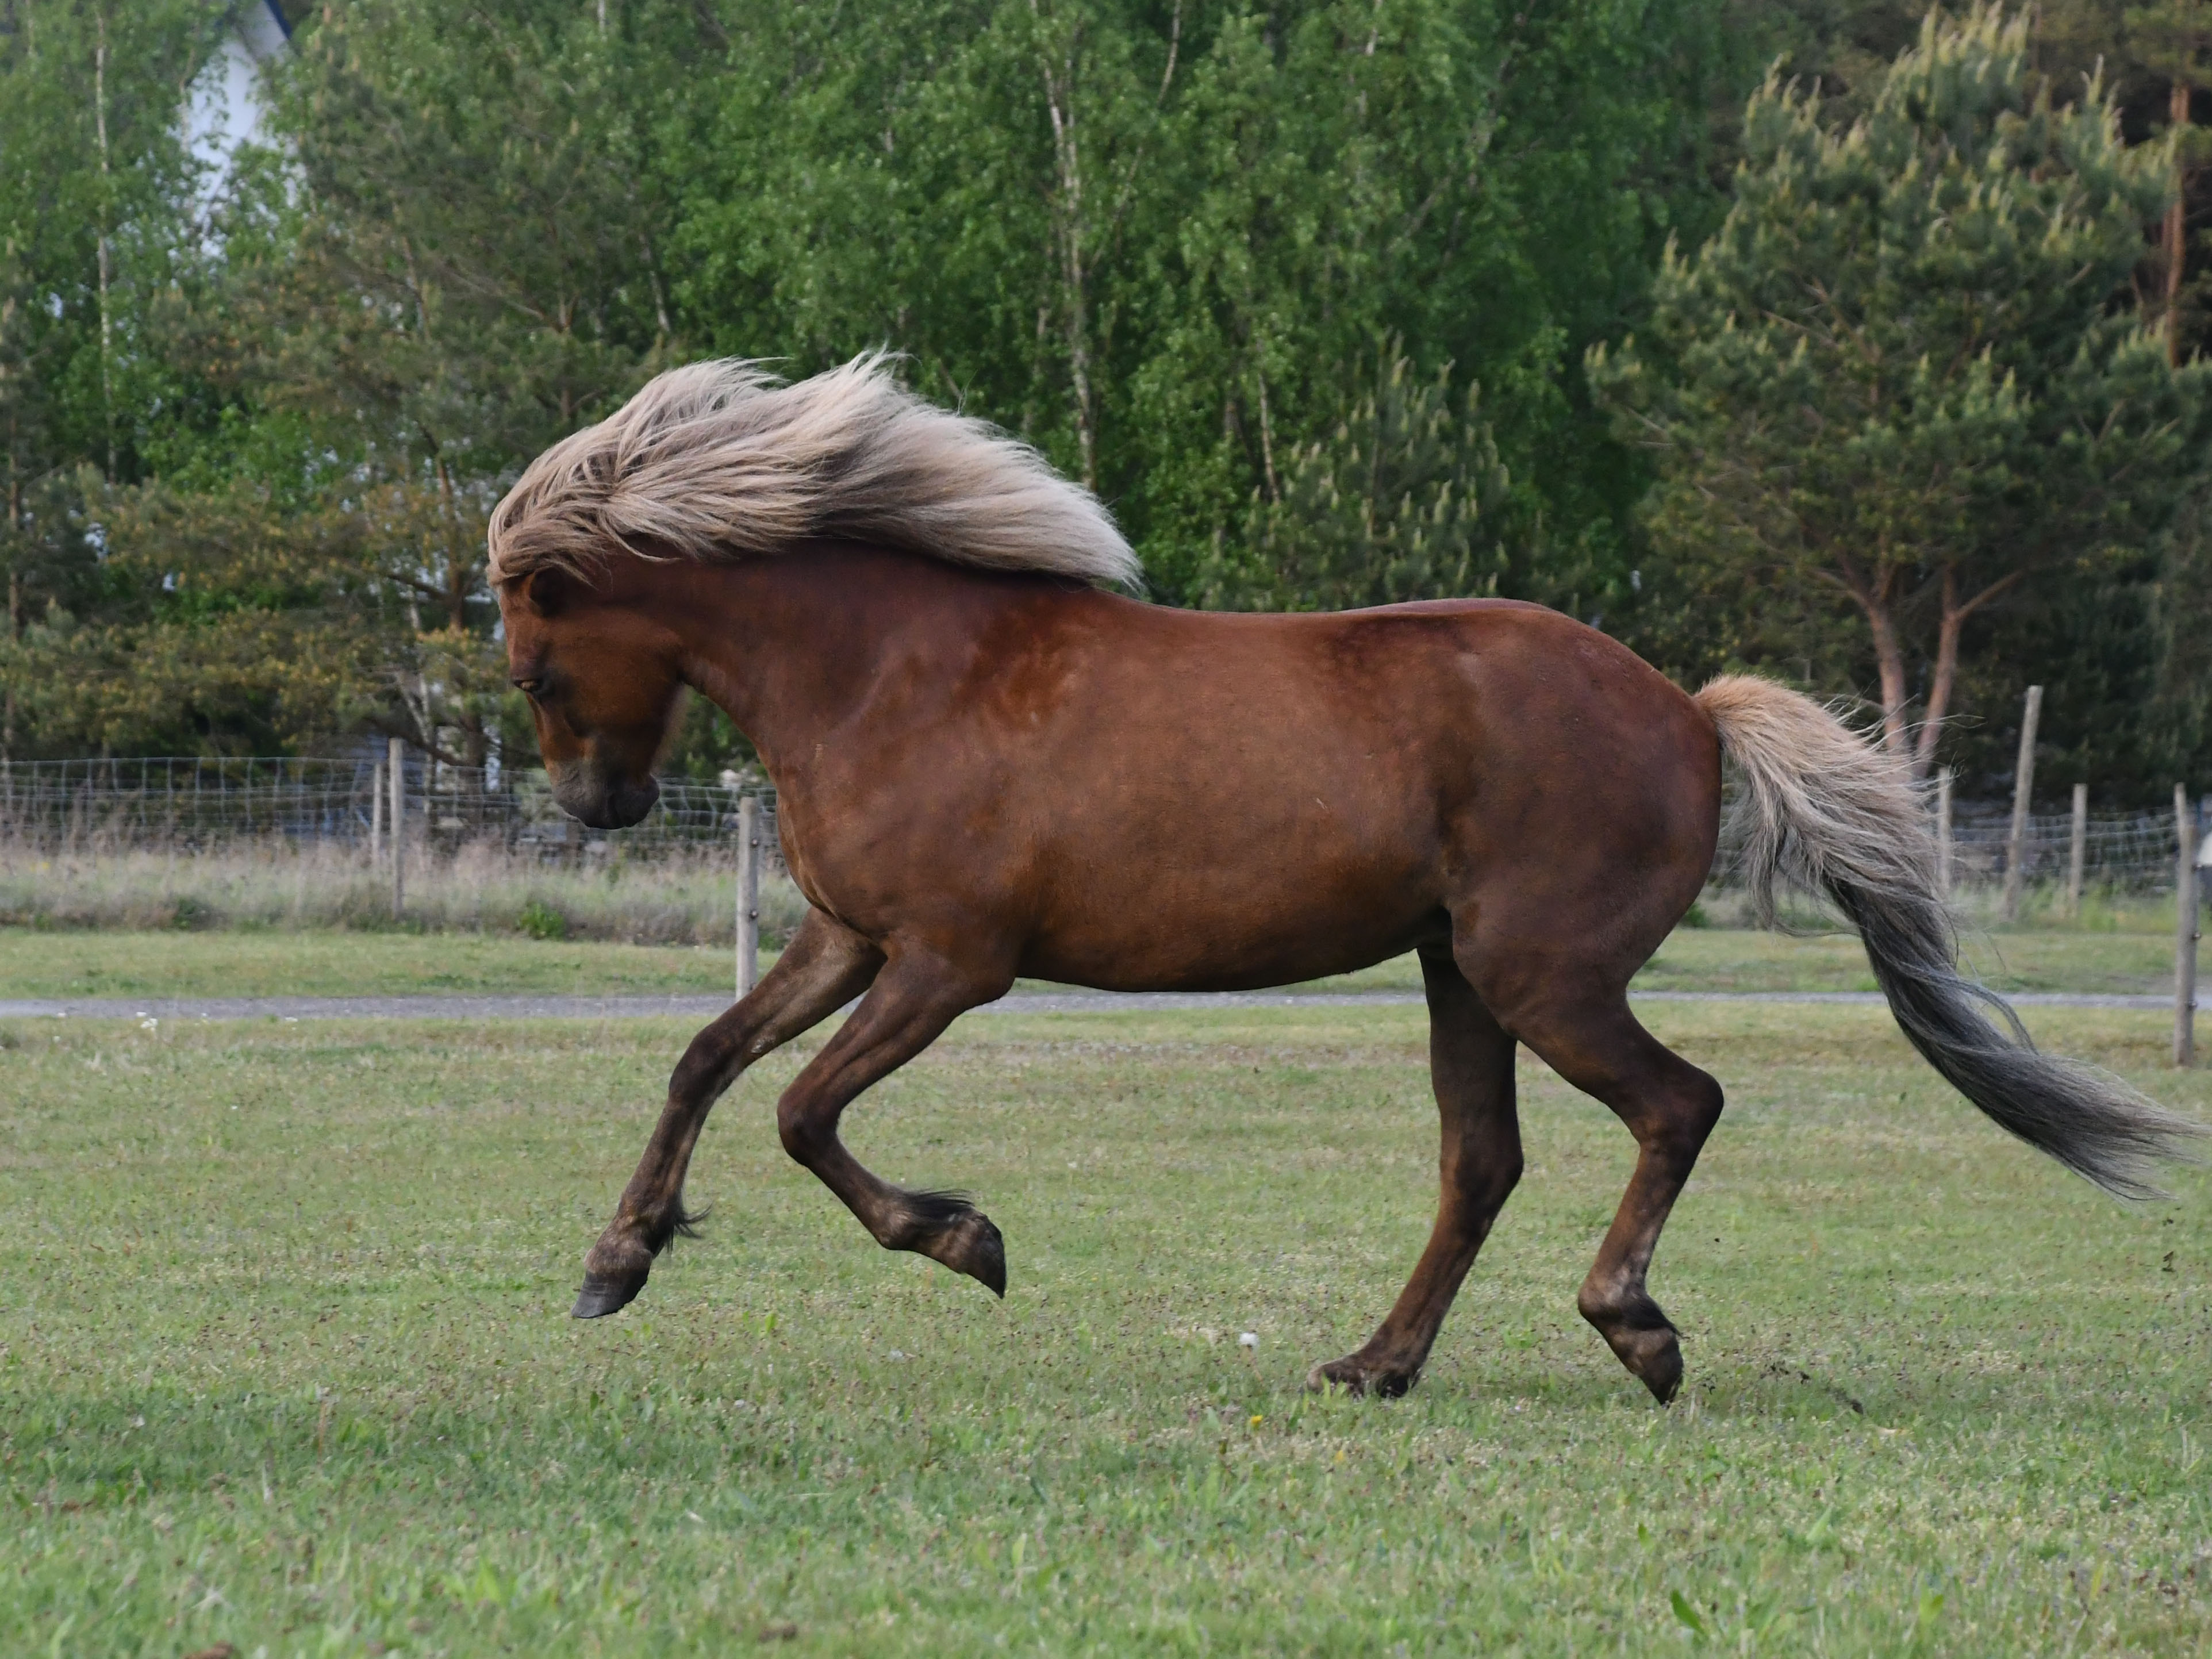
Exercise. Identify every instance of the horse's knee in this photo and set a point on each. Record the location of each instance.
(1485, 1183)
(1507, 1176)
(695, 1074)
(802, 1130)
(1680, 1128)
(712, 1061)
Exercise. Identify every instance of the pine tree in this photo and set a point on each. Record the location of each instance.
(1896, 376)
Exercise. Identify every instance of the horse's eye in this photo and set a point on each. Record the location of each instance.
(529, 688)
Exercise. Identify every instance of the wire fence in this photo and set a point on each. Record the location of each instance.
(191, 803)
(2120, 852)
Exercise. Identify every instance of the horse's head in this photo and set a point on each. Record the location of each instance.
(603, 687)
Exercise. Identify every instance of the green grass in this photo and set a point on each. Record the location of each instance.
(2022, 959)
(35, 962)
(285, 1360)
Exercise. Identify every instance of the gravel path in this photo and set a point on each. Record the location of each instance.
(701, 1008)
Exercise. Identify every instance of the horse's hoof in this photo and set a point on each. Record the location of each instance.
(1658, 1365)
(1644, 1340)
(1355, 1376)
(969, 1244)
(983, 1250)
(606, 1293)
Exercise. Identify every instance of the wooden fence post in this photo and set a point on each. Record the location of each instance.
(396, 763)
(2184, 930)
(748, 866)
(2023, 785)
(1943, 833)
(2077, 852)
(376, 816)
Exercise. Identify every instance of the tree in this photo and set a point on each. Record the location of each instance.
(471, 269)
(1159, 238)
(1897, 378)
(98, 230)
(1390, 505)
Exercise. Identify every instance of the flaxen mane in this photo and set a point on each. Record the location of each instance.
(719, 460)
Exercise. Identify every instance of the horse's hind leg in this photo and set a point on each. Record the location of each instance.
(917, 995)
(1471, 1068)
(824, 967)
(1670, 1107)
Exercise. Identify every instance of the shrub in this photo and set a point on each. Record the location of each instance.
(539, 920)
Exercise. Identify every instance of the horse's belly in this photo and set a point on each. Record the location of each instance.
(1236, 930)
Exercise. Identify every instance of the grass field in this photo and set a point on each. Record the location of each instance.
(286, 1363)
(36, 962)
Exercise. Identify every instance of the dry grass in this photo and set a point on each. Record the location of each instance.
(677, 898)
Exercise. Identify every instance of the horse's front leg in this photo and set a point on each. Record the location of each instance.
(917, 996)
(824, 967)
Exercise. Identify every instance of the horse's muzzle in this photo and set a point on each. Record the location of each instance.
(587, 794)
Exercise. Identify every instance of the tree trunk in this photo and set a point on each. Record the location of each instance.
(14, 631)
(1067, 162)
(106, 327)
(14, 611)
(2175, 237)
(1875, 598)
(460, 571)
(1948, 628)
(1889, 662)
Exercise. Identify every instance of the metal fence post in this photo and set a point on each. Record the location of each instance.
(2077, 852)
(2184, 930)
(1944, 838)
(748, 868)
(397, 753)
(2023, 785)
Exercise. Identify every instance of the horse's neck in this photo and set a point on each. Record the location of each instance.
(792, 646)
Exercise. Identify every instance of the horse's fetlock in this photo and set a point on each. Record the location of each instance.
(1362, 1374)
(666, 1228)
(619, 1253)
(902, 1231)
(1619, 1305)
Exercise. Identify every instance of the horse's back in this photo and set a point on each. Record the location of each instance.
(1288, 795)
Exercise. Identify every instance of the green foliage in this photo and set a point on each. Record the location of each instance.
(1388, 507)
(323, 378)
(1894, 382)
(541, 920)
(1239, 268)
(100, 244)
(1160, 241)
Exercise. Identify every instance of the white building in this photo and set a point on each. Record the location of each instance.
(226, 108)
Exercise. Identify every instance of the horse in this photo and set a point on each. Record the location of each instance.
(992, 760)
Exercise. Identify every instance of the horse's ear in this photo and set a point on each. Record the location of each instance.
(548, 590)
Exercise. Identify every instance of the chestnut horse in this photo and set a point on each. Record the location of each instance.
(989, 765)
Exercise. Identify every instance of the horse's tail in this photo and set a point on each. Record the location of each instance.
(1835, 814)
